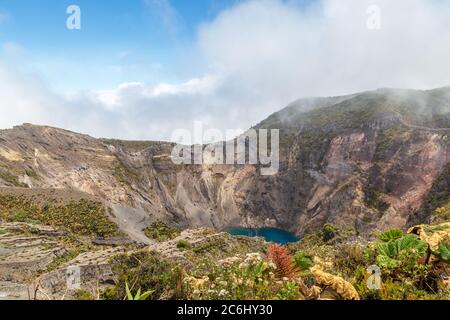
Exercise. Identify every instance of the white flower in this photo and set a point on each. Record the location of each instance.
(223, 293)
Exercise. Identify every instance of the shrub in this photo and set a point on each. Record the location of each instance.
(161, 232)
(183, 244)
(147, 271)
(240, 278)
(83, 295)
(84, 217)
(139, 295)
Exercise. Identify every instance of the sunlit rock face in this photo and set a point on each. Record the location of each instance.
(370, 161)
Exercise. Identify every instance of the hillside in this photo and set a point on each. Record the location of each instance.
(372, 160)
(122, 211)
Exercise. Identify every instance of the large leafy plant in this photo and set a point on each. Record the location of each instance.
(390, 235)
(444, 252)
(395, 253)
(302, 261)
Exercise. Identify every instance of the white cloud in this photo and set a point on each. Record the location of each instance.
(261, 56)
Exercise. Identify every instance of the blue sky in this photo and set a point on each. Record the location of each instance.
(141, 69)
(120, 40)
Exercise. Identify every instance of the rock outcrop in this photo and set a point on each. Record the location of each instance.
(369, 161)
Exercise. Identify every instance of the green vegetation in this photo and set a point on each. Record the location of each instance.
(396, 253)
(68, 256)
(160, 231)
(83, 217)
(128, 144)
(245, 277)
(183, 244)
(139, 295)
(333, 234)
(374, 199)
(444, 252)
(302, 261)
(443, 213)
(83, 295)
(147, 271)
(8, 177)
(329, 264)
(390, 235)
(439, 196)
(123, 174)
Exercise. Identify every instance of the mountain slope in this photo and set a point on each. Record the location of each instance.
(369, 161)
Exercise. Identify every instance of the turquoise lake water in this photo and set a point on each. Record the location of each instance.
(270, 234)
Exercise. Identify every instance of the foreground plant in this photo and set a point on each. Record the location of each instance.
(283, 261)
(138, 295)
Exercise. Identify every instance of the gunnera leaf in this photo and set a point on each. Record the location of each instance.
(390, 235)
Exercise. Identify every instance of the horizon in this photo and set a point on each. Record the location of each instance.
(218, 141)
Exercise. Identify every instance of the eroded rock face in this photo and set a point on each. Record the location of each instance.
(368, 160)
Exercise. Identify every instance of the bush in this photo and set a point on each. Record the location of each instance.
(83, 217)
(83, 295)
(240, 278)
(146, 271)
(183, 244)
(161, 232)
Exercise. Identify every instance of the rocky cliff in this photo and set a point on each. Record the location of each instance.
(369, 161)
